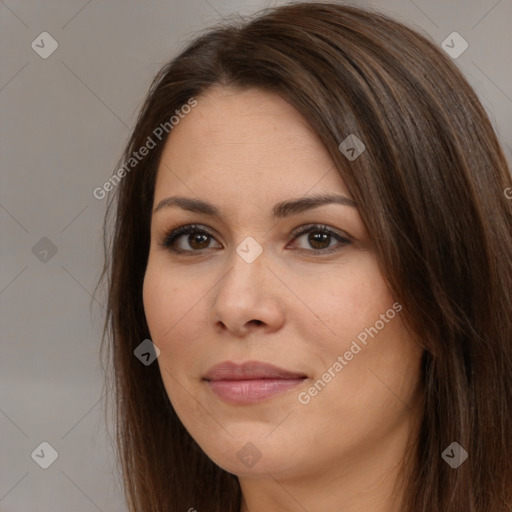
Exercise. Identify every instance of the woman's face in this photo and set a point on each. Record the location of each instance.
(255, 286)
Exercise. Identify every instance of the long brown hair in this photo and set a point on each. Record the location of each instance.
(430, 186)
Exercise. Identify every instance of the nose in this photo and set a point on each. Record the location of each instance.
(249, 297)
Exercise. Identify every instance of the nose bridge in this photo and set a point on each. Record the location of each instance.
(245, 293)
(247, 269)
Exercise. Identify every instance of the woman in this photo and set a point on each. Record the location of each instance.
(311, 233)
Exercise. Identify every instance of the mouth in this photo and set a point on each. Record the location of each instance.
(250, 382)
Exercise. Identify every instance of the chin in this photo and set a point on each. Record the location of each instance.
(242, 456)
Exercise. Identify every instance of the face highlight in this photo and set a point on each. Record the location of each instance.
(270, 280)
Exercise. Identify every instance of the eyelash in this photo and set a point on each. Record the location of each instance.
(172, 236)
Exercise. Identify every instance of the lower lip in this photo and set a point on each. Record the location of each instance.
(251, 391)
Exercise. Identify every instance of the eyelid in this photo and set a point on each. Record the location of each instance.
(173, 234)
(321, 227)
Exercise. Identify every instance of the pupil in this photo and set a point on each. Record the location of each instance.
(317, 237)
(196, 238)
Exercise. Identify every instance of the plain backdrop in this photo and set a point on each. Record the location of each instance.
(64, 122)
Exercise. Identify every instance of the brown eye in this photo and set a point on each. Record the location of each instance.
(319, 239)
(197, 240)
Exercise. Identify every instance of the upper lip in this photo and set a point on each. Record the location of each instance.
(248, 371)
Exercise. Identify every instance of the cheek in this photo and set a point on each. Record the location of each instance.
(173, 316)
(346, 301)
(380, 365)
(156, 296)
(165, 302)
(174, 313)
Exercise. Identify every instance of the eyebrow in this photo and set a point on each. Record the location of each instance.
(280, 210)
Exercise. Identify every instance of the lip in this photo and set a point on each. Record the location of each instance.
(250, 382)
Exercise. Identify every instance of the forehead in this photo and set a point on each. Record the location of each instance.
(248, 144)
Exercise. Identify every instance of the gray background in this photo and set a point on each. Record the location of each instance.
(64, 121)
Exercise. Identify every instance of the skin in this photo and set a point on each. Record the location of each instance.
(245, 151)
